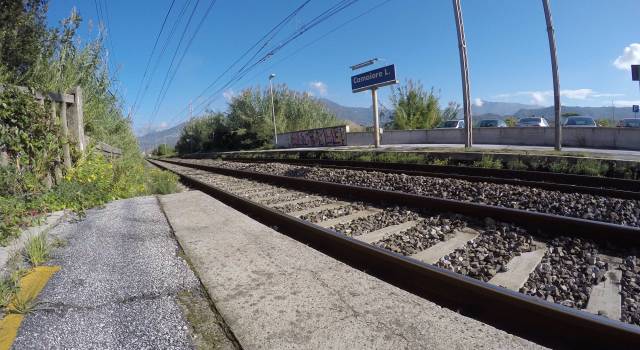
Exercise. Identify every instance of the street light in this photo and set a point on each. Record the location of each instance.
(273, 111)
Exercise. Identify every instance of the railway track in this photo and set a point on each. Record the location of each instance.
(568, 183)
(511, 268)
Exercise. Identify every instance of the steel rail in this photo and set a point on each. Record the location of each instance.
(625, 188)
(549, 223)
(532, 318)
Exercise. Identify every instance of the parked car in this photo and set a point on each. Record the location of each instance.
(492, 123)
(533, 121)
(580, 122)
(629, 123)
(452, 124)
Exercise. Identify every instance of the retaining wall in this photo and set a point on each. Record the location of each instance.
(608, 138)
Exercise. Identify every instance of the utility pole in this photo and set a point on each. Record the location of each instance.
(376, 118)
(273, 111)
(556, 79)
(464, 70)
(190, 109)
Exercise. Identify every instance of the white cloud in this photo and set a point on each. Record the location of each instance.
(478, 102)
(545, 97)
(229, 95)
(630, 55)
(319, 87)
(149, 128)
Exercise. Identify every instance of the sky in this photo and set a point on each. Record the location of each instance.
(507, 45)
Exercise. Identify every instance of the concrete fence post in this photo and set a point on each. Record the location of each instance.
(65, 136)
(76, 120)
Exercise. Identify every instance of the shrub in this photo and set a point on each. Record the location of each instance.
(488, 162)
(516, 164)
(591, 167)
(561, 166)
(161, 182)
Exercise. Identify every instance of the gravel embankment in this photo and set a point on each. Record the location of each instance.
(631, 290)
(388, 217)
(490, 252)
(429, 231)
(567, 273)
(614, 210)
(327, 214)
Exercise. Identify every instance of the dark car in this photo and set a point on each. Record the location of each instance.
(580, 122)
(629, 123)
(492, 123)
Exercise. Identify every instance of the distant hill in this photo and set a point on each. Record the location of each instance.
(595, 112)
(169, 136)
(500, 108)
(358, 115)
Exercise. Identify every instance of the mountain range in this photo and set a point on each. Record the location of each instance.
(363, 116)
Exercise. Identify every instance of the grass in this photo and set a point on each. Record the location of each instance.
(488, 162)
(22, 306)
(440, 161)
(561, 166)
(161, 182)
(37, 249)
(8, 288)
(590, 167)
(516, 164)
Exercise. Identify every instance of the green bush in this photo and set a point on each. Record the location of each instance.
(591, 167)
(161, 182)
(488, 162)
(516, 164)
(561, 166)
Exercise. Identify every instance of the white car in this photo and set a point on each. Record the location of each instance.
(452, 124)
(533, 121)
(580, 122)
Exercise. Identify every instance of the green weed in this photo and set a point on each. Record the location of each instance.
(516, 164)
(440, 161)
(561, 166)
(590, 167)
(488, 162)
(161, 182)
(37, 249)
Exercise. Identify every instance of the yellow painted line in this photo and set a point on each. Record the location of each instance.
(30, 286)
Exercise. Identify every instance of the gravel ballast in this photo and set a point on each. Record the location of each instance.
(567, 273)
(490, 252)
(631, 290)
(590, 207)
(426, 233)
(388, 217)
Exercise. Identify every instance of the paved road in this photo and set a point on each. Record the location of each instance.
(121, 285)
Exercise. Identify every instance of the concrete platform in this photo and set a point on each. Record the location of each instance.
(277, 293)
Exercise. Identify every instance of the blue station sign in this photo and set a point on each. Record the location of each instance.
(635, 108)
(373, 79)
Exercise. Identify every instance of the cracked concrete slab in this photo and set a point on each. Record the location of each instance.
(118, 286)
(277, 293)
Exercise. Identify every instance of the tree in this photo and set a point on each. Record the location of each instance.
(451, 112)
(163, 150)
(416, 108)
(23, 34)
(511, 121)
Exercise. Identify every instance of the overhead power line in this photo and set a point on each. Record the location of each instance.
(280, 25)
(165, 46)
(153, 50)
(340, 6)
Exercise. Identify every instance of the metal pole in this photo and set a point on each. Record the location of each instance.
(273, 112)
(376, 119)
(556, 80)
(464, 70)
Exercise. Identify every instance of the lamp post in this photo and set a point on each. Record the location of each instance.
(273, 111)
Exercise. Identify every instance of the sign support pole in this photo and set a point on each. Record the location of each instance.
(376, 119)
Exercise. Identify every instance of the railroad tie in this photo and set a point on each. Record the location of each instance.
(439, 250)
(334, 205)
(605, 298)
(519, 268)
(385, 232)
(348, 218)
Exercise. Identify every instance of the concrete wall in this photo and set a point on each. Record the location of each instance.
(608, 138)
